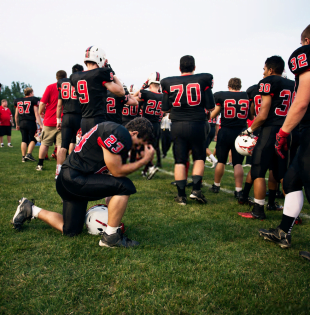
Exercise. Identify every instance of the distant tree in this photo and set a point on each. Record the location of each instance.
(16, 90)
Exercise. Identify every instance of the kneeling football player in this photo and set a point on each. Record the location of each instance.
(85, 177)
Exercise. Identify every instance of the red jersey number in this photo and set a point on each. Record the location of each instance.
(257, 103)
(191, 101)
(83, 91)
(20, 107)
(286, 94)
(112, 140)
(111, 105)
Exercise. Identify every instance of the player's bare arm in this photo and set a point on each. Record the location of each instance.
(38, 118)
(41, 107)
(300, 103)
(16, 120)
(115, 87)
(215, 112)
(263, 113)
(132, 101)
(58, 113)
(118, 169)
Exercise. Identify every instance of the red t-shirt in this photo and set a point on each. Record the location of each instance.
(5, 116)
(50, 98)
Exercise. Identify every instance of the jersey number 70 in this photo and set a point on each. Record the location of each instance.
(189, 87)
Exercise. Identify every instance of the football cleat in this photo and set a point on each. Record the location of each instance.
(23, 160)
(245, 201)
(29, 157)
(274, 207)
(305, 254)
(39, 167)
(152, 171)
(215, 189)
(181, 200)
(238, 194)
(197, 195)
(2, 145)
(229, 163)
(214, 165)
(173, 183)
(10, 145)
(208, 159)
(256, 213)
(277, 236)
(298, 220)
(117, 239)
(23, 213)
(144, 174)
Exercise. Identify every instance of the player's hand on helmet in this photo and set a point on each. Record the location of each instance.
(149, 152)
(145, 85)
(247, 132)
(281, 143)
(109, 66)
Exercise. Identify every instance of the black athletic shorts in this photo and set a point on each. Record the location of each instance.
(5, 131)
(265, 157)
(210, 135)
(88, 123)
(76, 189)
(298, 174)
(28, 129)
(69, 127)
(186, 136)
(225, 142)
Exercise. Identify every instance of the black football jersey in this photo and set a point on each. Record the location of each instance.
(115, 106)
(130, 112)
(90, 90)
(298, 63)
(25, 105)
(151, 108)
(186, 96)
(281, 91)
(68, 96)
(235, 108)
(88, 157)
(254, 97)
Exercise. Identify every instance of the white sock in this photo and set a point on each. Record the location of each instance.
(237, 189)
(111, 230)
(213, 159)
(293, 203)
(261, 202)
(9, 143)
(217, 184)
(35, 211)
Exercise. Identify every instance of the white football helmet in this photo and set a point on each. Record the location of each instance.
(37, 135)
(154, 78)
(97, 55)
(96, 219)
(284, 74)
(245, 144)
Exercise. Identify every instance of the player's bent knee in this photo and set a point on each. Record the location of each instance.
(127, 186)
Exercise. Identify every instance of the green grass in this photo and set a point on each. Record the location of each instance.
(198, 259)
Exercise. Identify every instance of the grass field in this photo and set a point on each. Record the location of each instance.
(198, 259)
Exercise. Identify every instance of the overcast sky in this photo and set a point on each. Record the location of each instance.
(227, 38)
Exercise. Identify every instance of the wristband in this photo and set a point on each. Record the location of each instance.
(283, 134)
(58, 120)
(249, 130)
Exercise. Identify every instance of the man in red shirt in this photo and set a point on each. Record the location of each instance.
(50, 133)
(6, 121)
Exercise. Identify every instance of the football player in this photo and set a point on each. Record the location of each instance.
(85, 176)
(116, 104)
(151, 110)
(26, 115)
(186, 97)
(277, 93)
(91, 87)
(233, 106)
(71, 120)
(298, 174)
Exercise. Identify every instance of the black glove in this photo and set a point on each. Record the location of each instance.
(109, 67)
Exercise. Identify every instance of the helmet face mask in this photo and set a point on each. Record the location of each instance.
(245, 145)
(96, 55)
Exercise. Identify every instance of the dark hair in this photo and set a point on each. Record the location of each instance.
(27, 91)
(144, 127)
(306, 33)
(61, 74)
(77, 68)
(235, 84)
(276, 63)
(187, 64)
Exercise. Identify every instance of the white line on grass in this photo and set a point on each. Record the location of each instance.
(225, 190)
